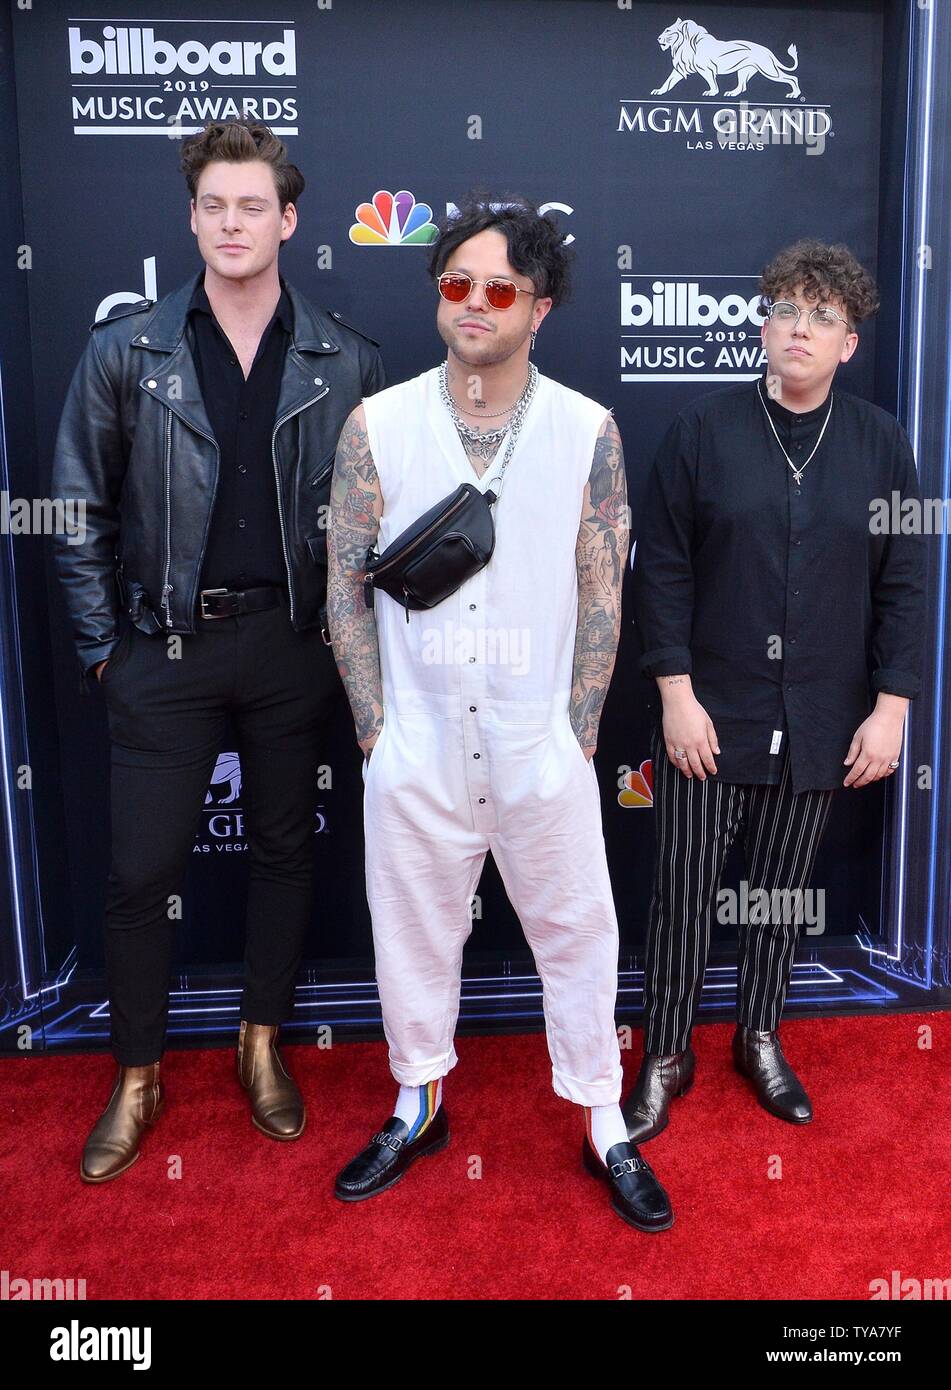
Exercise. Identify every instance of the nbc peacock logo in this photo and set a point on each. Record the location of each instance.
(637, 786)
(394, 219)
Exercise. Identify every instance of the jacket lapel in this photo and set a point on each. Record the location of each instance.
(175, 381)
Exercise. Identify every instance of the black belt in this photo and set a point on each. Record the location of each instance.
(227, 603)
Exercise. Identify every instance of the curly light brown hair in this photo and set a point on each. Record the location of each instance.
(237, 142)
(821, 272)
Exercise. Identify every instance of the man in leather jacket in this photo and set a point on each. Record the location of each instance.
(198, 435)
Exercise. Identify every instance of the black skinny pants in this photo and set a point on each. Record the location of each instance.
(167, 720)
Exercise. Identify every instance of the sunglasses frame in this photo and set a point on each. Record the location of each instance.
(493, 280)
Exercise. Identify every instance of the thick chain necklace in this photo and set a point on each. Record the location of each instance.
(797, 472)
(483, 444)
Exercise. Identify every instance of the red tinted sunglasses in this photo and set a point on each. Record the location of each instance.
(499, 294)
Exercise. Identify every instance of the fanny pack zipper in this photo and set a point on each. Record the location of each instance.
(418, 541)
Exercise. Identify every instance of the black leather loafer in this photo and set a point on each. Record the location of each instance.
(387, 1157)
(646, 1110)
(759, 1057)
(636, 1195)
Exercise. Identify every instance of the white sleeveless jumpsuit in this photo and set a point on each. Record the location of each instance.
(477, 752)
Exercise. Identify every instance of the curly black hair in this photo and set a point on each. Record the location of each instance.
(822, 272)
(535, 241)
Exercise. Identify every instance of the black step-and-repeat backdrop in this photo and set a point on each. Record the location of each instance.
(675, 171)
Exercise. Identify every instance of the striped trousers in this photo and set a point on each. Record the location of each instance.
(696, 824)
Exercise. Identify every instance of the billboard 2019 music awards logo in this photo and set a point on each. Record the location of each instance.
(174, 75)
(690, 328)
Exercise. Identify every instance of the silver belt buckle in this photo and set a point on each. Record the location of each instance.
(201, 598)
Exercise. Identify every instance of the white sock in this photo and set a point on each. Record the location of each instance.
(606, 1128)
(416, 1106)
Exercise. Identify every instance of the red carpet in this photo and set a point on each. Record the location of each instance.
(864, 1188)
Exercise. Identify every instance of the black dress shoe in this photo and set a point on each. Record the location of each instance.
(387, 1157)
(647, 1109)
(636, 1195)
(759, 1057)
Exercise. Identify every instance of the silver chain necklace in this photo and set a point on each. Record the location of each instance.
(484, 444)
(797, 472)
(513, 427)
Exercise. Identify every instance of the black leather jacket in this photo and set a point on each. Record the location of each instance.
(136, 447)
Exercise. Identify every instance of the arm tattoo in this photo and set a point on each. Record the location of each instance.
(355, 508)
(600, 555)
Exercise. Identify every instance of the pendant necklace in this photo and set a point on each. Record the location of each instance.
(797, 472)
(484, 444)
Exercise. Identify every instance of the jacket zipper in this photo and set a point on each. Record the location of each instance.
(166, 587)
(277, 482)
(418, 541)
(319, 477)
(169, 588)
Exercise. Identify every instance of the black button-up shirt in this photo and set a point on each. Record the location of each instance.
(779, 599)
(244, 546)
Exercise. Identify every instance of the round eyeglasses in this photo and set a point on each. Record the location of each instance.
(499, 293)
(789, 314)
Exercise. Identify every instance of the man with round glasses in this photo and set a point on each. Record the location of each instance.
(482, 715)
(784, 636)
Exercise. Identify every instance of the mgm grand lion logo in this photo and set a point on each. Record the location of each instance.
(693, 49)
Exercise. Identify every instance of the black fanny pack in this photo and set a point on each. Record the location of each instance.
(441, 550)
(448, 544)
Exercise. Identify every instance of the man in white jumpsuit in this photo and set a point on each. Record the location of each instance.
(481, 714)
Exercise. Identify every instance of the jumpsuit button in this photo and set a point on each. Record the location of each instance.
(472, 709)
(472, 608)
(477, 755)
(481, 800)
(471, 659)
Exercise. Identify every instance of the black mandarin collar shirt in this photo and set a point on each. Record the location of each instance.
(786, 610)
(244, 546)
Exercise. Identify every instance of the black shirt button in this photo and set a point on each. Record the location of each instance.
(242, 522)
(243, 415)
(796, 592)
(242, 468)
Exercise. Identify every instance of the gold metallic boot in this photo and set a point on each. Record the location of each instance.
(137, 1100)
(277, 1107)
